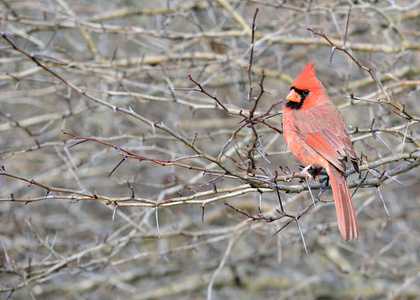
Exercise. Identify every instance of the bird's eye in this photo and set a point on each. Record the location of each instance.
(305, 93)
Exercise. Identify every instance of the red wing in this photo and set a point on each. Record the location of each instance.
(325, 149)
(323, 129)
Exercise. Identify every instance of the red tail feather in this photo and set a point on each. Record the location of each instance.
(346, 216)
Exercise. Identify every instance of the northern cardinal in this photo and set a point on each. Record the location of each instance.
(314, 129)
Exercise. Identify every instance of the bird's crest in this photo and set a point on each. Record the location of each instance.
(307, 80)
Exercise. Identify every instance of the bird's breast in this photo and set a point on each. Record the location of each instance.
(295, 135)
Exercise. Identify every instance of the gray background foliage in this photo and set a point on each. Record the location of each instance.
(121, 77)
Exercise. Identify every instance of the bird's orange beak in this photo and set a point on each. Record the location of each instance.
(293, 96)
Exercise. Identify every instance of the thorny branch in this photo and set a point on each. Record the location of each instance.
(256, 182)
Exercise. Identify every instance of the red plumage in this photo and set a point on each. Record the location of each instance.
(314, 129)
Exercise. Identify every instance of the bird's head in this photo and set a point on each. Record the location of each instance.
(306, 90)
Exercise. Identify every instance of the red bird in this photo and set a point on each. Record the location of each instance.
(314, 129)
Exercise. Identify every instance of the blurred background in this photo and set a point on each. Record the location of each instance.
(158, 228)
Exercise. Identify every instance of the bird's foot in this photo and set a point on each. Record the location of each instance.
(312, 172)
(308, 174)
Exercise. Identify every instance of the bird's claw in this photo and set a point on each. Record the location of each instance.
(305, 171)
(312, 172)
